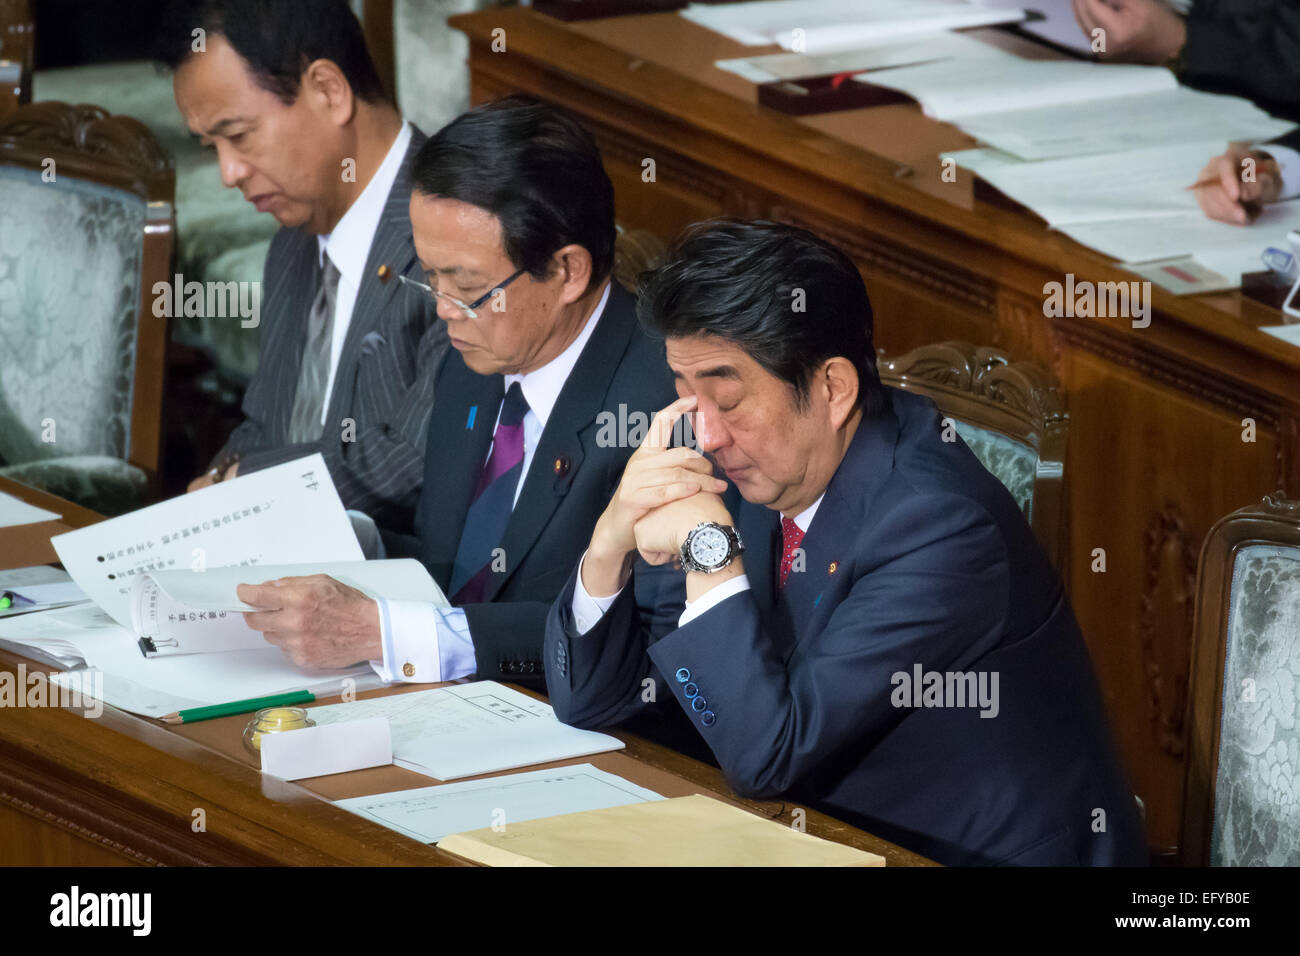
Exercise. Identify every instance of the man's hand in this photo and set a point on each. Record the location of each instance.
(316, 621)
(1136, 31)
(659, 537)
(202, 481)
(1235, 196)
(212, 476)
(655, 475)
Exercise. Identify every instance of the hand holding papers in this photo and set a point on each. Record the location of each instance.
(283, 515)
(182, 612)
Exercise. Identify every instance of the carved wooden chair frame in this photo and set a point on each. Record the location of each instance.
(983, 387)
(116, 151)
(17, 45)
(1275, 520)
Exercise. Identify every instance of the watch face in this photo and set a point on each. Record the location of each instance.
(710, 547)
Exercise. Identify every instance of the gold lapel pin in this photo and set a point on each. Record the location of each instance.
(385, 273)
(835, 566)
(561, 466)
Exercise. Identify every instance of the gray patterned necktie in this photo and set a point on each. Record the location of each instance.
(314, 373)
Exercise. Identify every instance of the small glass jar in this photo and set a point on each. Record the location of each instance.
(273, 720)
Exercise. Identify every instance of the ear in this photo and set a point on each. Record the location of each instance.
(328, 91)
(838, 380)
(575, 265)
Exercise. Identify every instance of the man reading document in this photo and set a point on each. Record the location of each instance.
(873, 631)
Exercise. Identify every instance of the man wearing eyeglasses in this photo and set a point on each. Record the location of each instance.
(287, 95)
(513, 221)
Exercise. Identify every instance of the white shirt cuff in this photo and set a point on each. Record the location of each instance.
(423, 644)
(1288, 165)
(713, 598)
(588, 610)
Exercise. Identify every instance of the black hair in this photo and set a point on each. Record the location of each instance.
(785, 296)
(278, 39)
(536, 169)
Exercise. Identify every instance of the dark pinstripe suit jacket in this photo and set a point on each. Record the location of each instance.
(385, 377)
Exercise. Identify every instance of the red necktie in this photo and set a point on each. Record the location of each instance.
(791, 538)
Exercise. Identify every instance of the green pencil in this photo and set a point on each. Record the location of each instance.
(239, 707)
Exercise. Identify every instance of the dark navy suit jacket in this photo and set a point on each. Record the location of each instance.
(571, 479)
(916, 556)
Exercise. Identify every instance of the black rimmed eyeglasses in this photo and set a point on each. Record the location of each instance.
(466, 307)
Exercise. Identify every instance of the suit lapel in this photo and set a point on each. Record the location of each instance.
(393, 247)
(460, 432)
(576, 409)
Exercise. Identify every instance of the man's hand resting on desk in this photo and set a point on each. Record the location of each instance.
(1136, 31)
(1239, 188)
(316, 621)
(655, 475)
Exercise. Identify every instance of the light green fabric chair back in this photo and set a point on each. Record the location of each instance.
(1011, 462)
(1241, 799)
(69, 298)
(1257, 789)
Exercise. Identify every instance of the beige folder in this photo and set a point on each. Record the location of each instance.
(683, 831)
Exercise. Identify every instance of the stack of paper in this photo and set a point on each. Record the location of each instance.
(820, 26)
(288, 514)
(684, 831)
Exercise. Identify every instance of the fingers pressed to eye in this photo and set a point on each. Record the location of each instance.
(661, 429)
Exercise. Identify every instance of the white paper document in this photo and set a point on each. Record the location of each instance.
(1110, 186)
(1122, 123)
(188, 612)
(468, 729)
(428, 814)
(238, 675)
(15, 511)
(789, 66)
(283, 515)
(955, 89)
(831, 24)
(1218, 245)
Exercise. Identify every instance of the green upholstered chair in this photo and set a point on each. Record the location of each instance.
(1011, 416)
(1242, 785)
(85, 232)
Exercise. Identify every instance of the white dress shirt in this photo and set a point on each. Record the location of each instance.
(587, 610)
(436, 642)
(348, 246)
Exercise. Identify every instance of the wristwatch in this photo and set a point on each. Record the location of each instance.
(710, 547)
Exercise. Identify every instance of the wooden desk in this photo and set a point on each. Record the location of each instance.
(29, 544)
(120, 789)
(1156, 451)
